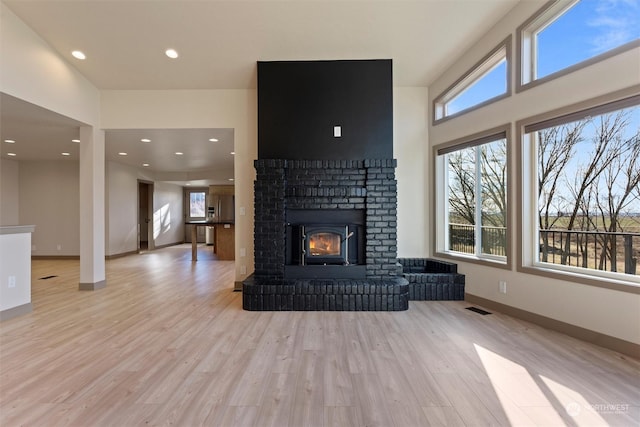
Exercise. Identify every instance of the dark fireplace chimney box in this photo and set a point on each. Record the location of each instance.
(325, 207)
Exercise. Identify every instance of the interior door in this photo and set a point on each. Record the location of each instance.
(145, 216)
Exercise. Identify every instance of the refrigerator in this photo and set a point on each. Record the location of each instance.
(221, 208)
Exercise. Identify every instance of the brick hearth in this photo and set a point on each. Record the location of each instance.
(329, 186)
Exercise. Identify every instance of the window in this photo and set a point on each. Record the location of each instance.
(197, 204)
(584, 190)
(570, 34)
(472, 207)
(486, 82)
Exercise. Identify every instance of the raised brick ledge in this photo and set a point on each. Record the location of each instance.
(390, 294)
(432, 280)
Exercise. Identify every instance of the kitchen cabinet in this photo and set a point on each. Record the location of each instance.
(225, 244)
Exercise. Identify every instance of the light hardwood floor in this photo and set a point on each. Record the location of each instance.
(167, 343)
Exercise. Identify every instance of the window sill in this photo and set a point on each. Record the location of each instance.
(487, 262)
(582, 278)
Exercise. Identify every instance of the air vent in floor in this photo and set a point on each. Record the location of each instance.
(478, 310)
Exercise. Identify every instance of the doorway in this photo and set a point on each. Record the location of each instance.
(145, 216)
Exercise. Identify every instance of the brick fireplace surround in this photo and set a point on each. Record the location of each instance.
(331, 186)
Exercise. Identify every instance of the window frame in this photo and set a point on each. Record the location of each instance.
(440, 198)
(475, 73)
(188, 192)
(527, 52)
(527, 181)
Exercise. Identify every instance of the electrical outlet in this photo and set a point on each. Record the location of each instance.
(59, 247)
(33, 247)
(243, 252)
(243, 269)
(503, 287)
(12, 282)
(242, 211)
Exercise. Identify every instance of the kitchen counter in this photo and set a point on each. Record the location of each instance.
(224, 239)
(15, 265)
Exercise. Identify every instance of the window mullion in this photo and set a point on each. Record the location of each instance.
(446, 203)
(478, 202)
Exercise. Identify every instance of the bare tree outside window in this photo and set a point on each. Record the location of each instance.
(588, 198)
(477, 189)
(197, 204)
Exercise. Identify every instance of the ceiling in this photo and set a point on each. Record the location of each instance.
(219, 43)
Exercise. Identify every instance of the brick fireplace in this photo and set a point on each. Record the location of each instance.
(325, 209)
(355, 196)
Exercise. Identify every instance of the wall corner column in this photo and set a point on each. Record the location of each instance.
(92, 209)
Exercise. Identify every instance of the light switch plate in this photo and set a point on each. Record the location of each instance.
(337, 131)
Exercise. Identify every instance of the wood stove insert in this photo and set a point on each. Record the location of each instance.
(325, 243)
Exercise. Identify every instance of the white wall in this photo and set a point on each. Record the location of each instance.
(609, 312)
(410, 147)
(168, 214)
(9, 192)
(122, 208)
(49, 199)
(32, 71)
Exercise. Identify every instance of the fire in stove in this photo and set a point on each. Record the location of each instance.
(324, 244)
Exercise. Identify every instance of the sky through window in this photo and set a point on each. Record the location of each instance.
(587, 29)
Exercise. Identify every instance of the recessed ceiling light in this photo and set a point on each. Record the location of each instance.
(78, 54)
(145, 140)
(187, 184)
(231, 179)
(66, 154)
(213, 139)
(179, 153)
(122, 153)
(9, 141)
(171, 53)
(146, 165)
(75, 140)
(11, 154)
(232, 153)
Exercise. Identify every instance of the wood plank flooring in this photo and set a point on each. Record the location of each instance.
(167, 343)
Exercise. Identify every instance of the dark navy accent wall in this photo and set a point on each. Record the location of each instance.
(300, 102)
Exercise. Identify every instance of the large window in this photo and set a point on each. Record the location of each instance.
(486, 82)
(584, 191)
(566, 35)
(472, 209)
